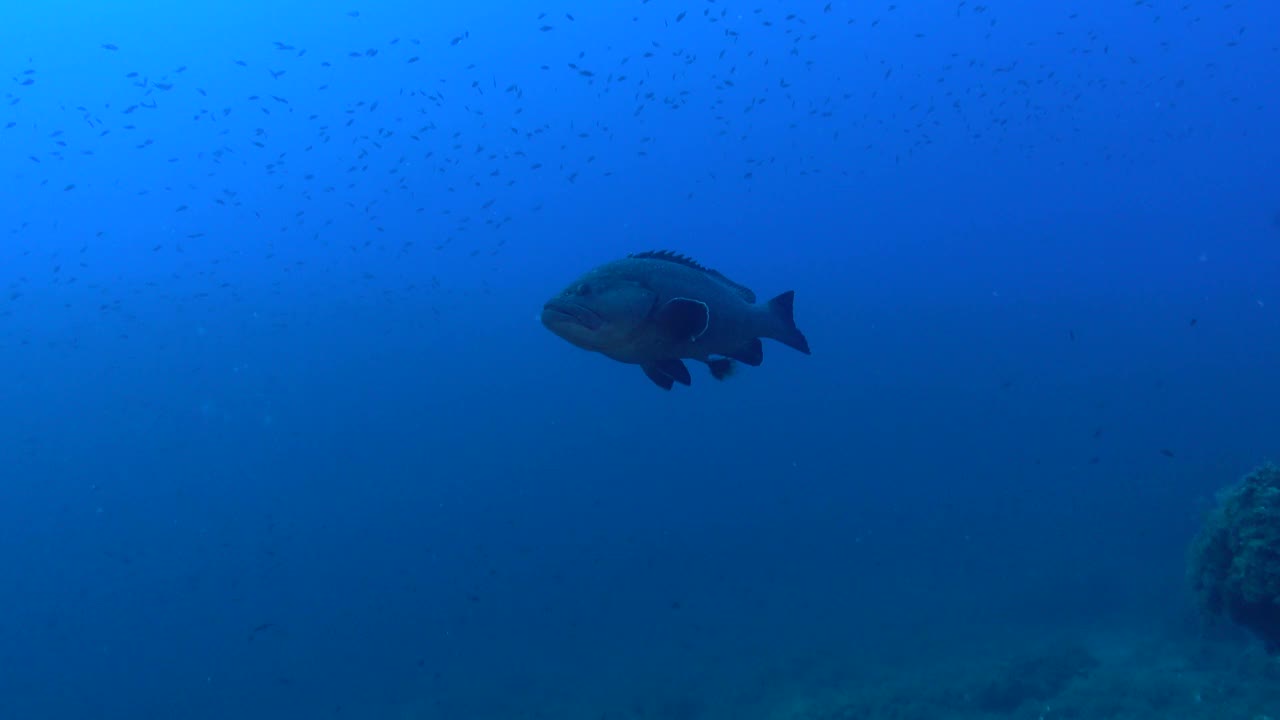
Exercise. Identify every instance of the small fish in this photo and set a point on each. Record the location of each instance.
(260, 629)
(110, 46)
(1166, 452)
(656, 309)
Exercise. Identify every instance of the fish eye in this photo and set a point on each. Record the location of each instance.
(584, 289)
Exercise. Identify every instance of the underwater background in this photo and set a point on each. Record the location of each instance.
(281, 434)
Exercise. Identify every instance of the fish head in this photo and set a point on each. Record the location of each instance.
(599, 312)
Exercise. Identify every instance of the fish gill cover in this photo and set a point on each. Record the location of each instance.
(282, 434)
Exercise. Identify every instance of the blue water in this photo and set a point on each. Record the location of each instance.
(281, 434)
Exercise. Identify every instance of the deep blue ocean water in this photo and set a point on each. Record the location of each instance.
(281, 435)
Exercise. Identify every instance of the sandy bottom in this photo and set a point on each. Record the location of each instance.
(1105, 675)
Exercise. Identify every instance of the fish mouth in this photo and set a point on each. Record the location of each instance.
(559, 312)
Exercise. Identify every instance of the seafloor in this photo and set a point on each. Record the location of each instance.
(1104, 676)
(1153, 679)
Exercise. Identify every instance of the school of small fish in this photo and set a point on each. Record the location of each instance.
(404, 146)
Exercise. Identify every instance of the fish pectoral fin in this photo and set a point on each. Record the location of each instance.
(684, 318)
(752, 353)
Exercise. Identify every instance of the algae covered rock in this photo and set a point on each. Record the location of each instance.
(1235, 560)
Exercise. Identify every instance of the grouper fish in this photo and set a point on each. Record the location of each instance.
(655, 309)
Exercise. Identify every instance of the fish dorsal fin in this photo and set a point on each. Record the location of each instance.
(672, 257)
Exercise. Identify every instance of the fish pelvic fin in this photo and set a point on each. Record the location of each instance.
(666, 373)
(782, 310)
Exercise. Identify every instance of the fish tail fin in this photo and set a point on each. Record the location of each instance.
(782, 310)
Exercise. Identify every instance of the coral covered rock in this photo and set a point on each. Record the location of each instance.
(1235, 560)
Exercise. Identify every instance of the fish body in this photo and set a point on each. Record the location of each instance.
(657, 309)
